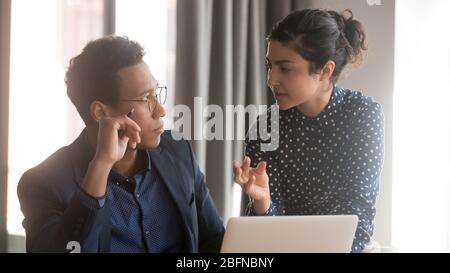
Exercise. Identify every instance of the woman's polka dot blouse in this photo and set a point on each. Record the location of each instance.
(329, 164)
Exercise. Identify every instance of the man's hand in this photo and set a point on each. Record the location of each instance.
(112, 144)
(115, 134)
(255, 182)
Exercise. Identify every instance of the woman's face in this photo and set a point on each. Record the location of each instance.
(288, 76)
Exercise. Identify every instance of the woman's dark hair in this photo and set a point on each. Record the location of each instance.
(320, 36)
(92, 75)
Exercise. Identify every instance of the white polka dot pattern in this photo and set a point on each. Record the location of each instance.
(329, 164)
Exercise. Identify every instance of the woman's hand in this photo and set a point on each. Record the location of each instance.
(255, 182)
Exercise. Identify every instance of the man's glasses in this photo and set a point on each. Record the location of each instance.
(159, 95)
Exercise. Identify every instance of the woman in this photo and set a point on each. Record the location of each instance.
(331, 140)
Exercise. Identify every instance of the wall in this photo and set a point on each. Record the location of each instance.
(375, 78)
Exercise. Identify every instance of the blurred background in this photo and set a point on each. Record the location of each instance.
(215, 49)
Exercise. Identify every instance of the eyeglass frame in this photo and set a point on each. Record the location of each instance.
(155, 97)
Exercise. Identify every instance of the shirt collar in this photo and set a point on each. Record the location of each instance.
(113, 175)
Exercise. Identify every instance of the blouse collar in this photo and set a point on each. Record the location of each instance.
(328, 112)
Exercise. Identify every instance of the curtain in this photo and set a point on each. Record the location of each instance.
(220, 53)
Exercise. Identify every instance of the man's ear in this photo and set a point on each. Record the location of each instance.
(327, 71)
(98, 110)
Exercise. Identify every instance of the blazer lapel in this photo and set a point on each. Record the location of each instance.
(170, 175)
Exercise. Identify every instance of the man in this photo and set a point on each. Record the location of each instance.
(124, 185)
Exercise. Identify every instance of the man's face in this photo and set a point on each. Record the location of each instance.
(137, 83)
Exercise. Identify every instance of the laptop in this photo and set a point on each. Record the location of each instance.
(289, 234)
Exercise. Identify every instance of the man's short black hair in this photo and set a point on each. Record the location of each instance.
(92, 75)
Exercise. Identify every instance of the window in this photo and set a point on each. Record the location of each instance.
(44, 36)
(421, 191)
(152, 24)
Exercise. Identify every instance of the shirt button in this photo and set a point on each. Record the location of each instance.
(147, 233)
(138, 195)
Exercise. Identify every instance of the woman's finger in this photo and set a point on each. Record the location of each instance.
(261, 168)
(246, 167)
(237, 172)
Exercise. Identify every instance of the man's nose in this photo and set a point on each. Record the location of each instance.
(159, 111)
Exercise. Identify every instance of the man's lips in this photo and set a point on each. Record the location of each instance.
(159, 130)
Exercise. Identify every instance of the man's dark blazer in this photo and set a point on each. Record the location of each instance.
(55, 215)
